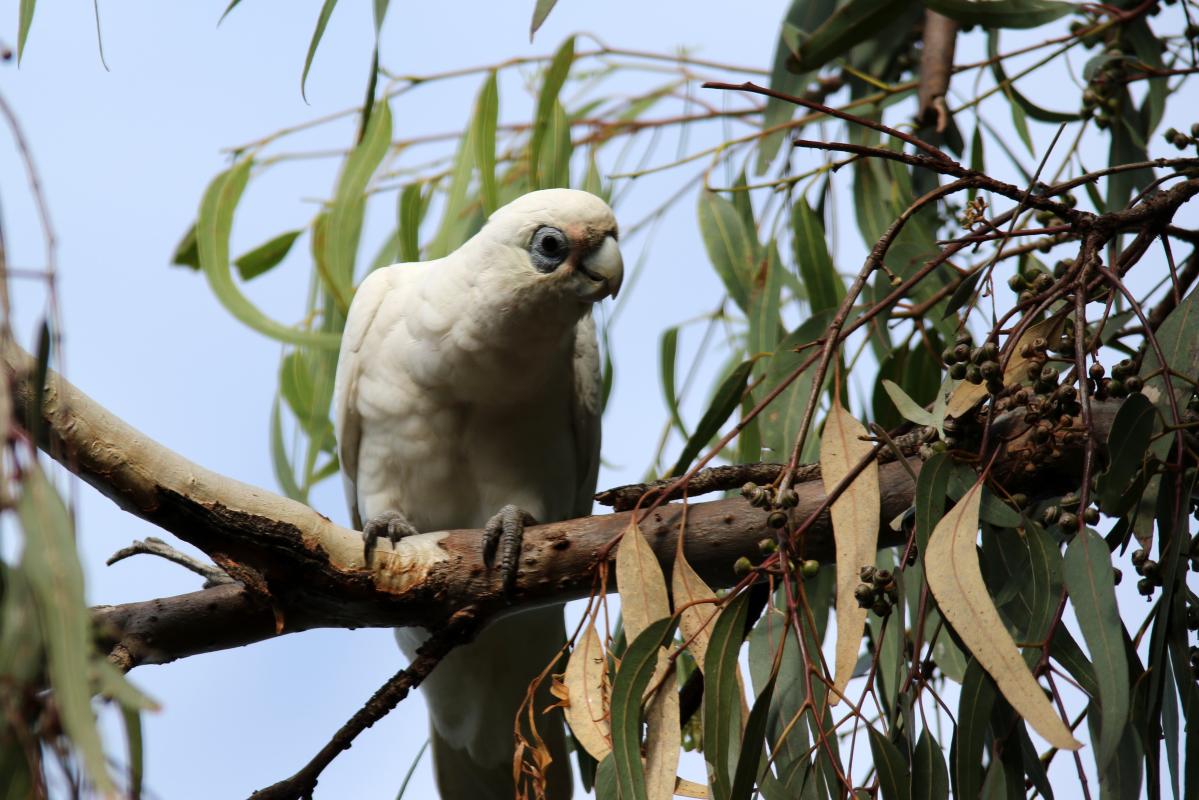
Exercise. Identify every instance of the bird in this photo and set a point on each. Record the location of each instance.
(468, 395)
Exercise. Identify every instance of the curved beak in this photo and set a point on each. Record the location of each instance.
(603, 265)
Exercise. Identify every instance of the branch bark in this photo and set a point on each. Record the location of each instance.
(298, 571)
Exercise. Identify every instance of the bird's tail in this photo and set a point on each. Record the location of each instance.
(474, 696)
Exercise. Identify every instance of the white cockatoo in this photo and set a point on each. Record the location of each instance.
(468, 396)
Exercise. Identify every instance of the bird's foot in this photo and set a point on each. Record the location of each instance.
(503, 536)
(392, 525)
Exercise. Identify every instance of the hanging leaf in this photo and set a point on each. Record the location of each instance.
(318, 32)
(410, 211)
(851, 24)
(343, 221)
(893, 770)
(637, 667)
(752, 745)
(24, 20)
(969, 737)
(663, 737)
(951, 566)
(487, 109)
(540, 11)
(930, 779)
(667, 357)
(695, 614)
(643, 597)
(1001, 13)
(1087, 570)
(730, 246)
(1127, 445)
(212, 243)
(727, 398)
(723, 695)
(586, 674)
(51, 564)
(186, 253)
(855, 516)
(820, 278)
(551, 87)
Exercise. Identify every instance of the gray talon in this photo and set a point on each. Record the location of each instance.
(504, 534)
(392, 525)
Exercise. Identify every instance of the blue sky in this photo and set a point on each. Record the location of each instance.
(124, 156)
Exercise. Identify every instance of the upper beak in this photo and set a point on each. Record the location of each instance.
(605, 264)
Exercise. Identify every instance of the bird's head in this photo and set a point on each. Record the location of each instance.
(561, 240)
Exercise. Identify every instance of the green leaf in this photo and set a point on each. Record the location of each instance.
(730, 246)
(186, 253)
(1013, 94)
(24, 20)
(51, 563)
(667, 357)
(212, 243)
(930, 778)
(802, 17)
(932, 486)
(1127, 443)
(1001, 13)
(606, 782)
(455, 223)
(411, 210)
(1178, 337)
(726, 400)
(1128, 136)
(978, 158)
(317, 33)
(764, 313)
(343, 224)
(820, 278)
(908, 408)
(632, 679)
(551, 87)
(540, 11)
(1087, 569)
(232, 5)
(284, 472)
(487, 109)
(556, 151)
(849, 25)
(265, 256)
(770, 633)
(722, 693)
(752, 745)
(1019, 120)
(974, 714)
(893, 770)
(780, 420)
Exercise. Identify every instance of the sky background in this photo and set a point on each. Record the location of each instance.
(124, 156)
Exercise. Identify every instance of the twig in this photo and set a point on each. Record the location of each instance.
(212, 574)
(460, 629)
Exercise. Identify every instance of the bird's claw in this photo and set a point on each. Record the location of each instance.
(391, 525)
(503, 535)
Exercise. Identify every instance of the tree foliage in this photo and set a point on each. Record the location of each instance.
(991, 322)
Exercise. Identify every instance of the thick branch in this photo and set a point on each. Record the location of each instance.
(936, 67)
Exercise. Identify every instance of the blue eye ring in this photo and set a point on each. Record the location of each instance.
(548, 248)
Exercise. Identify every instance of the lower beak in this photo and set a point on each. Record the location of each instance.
(604, 264)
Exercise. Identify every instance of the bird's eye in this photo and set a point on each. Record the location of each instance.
(548, 249)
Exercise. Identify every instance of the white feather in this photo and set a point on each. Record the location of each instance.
(465, 384)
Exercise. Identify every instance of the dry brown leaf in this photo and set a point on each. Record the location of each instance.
(951, 566)
(855, 529)
(968, 394)
(695, 621)
(586, 711)
(663, 737)
(642, 586)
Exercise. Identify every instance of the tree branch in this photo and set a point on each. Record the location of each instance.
(299, 571)
(936, 67)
